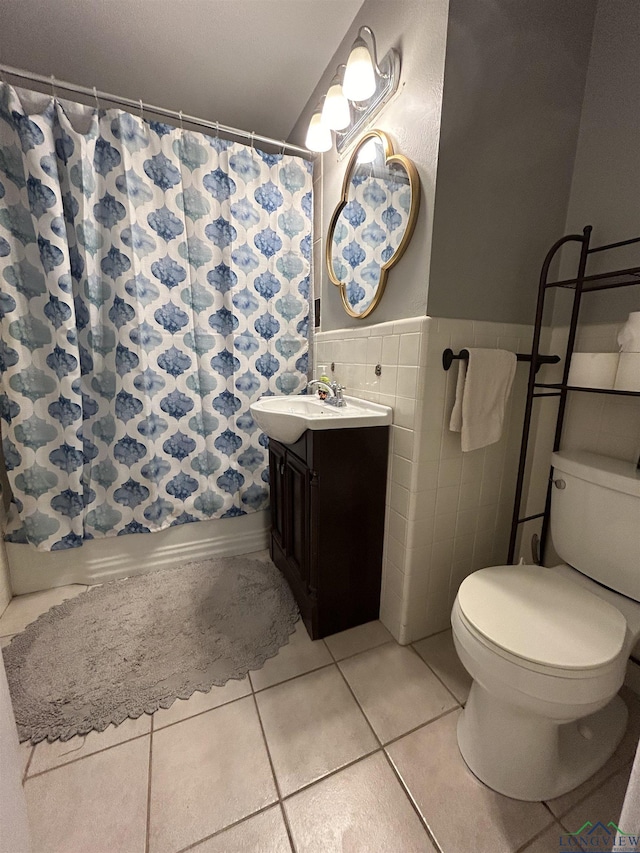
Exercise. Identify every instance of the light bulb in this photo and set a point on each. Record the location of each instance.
(335, 111)
(368, 152)
(359, 76)
(318, 134)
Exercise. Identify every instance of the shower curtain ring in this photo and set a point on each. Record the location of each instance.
(180, 117)
(53, 87)
(141, 109)
(95, 95)
(253, 141)
(217, 130)
(284, 145)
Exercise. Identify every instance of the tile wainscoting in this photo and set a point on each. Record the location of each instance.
(448, 514)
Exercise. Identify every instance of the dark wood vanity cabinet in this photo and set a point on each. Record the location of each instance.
(327, 523)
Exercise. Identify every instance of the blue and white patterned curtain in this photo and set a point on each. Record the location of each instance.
(153, 283)
(368, 232)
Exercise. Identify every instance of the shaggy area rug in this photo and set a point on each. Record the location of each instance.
(133, 646)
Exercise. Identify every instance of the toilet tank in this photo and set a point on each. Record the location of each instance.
(595, 518)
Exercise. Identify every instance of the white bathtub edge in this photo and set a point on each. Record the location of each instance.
(101, 560)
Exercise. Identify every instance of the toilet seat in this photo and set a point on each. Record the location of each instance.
(542, 621)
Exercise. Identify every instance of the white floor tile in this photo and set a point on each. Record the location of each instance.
(300, 655)
(463, 814)
(396, 689)
(207, 772)
(199, 702)
(263, 833)
(359, 639)
(361, 809)
(440, 654)
(97, 805)
(552, 840)
(313, 726)
(603, 806)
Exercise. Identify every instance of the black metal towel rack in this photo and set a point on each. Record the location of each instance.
(448, 357)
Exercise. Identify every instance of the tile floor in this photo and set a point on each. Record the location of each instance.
(345, 744)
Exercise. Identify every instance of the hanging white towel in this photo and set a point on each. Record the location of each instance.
(482, 391)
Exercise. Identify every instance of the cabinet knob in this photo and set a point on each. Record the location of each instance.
(560, 484)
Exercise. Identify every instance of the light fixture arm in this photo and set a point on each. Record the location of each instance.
(374, 58)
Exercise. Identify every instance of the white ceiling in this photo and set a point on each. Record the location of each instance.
(247, 63)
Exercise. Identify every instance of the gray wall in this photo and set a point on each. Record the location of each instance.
(247, 63)
(514, 81)
(412, 120)
(605, 191)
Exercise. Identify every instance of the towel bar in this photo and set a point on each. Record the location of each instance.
(448, 357)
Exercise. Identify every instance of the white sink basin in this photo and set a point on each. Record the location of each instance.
(286, 418)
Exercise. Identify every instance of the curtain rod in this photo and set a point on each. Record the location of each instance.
(151, 108)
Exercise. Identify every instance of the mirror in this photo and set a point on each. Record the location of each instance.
(373, 222)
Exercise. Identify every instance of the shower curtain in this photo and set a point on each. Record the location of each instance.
(153, 283)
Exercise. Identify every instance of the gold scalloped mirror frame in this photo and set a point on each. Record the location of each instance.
(414, 186)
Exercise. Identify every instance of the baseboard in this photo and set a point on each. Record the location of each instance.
(101, 560)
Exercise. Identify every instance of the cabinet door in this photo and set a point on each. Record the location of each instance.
(277, 488)
(297, 535)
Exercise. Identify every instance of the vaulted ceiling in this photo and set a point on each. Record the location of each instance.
(247, 63)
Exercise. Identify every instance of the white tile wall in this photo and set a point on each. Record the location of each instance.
(447, 513)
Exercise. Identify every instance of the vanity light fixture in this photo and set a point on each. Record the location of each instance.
(356, 96)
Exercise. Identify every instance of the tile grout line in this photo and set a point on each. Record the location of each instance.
(395, 739)
(291, 678)
(440, 679)
(607, 779)
(355, 699)
(331, 773)
(83, 757)
(414, 805)
(28, 764)
(524, 847)
(361, 651)
(273, 773)
(382, 743)
(147, 838)
(199, 713)
(233, 825)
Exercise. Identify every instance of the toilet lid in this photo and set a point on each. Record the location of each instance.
(536, 614)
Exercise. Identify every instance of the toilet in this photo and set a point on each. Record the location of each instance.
(547, 648)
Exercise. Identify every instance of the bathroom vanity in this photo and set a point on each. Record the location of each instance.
(327, 523)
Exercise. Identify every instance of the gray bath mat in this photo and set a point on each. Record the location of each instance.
(135, 645)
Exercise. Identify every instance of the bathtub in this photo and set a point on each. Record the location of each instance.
(100, 560)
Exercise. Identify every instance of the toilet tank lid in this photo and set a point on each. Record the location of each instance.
(537, 614)
(614, 474)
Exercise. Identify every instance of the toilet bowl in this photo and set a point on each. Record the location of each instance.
(547, 648)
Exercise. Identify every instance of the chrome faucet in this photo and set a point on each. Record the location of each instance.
(333, 389)
(321, 386)
(337, 399)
